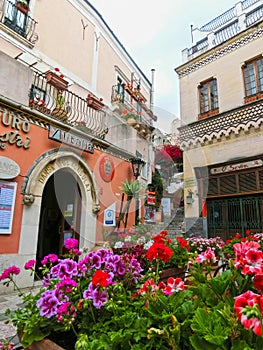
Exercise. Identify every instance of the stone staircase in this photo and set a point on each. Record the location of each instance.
(172, 224)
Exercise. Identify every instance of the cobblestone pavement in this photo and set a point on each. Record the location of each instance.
(8, 331)
(11, 301)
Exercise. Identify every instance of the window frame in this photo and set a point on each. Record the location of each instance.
(208, 100)
(249, 89)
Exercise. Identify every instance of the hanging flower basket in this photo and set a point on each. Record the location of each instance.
(56, 81)
(94, 102)
(22, 7)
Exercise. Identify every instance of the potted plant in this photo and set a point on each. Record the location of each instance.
(103, 300)
(130, 117)
(59, 110)
(22, 6)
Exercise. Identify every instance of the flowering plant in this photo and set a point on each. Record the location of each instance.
(130, 237)
(57, 71)
(228, 246)
(131, 114)
(106, 301)
(199, 244)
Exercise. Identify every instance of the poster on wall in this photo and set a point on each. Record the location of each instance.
(7, 203)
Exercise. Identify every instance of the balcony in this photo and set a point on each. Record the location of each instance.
(53, 99)
(222, 125)
(21, 23)
(129, 100)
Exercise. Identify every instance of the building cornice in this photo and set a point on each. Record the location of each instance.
(213, 129)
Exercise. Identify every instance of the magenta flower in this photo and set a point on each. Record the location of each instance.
(48, 303)
(50, 258)
(71, 243)
(7, 273)
(29, 264)
(65, 268)
(98, 296)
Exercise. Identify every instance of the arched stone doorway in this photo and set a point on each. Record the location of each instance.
(63, 164)
(59, 214)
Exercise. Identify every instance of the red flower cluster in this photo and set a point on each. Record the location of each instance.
(183, 243)
(57, 70)
(158, 249)
(100, 278)
(248, 257)
(248, 307)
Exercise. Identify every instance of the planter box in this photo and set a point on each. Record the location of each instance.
(44, 344)
(56, 81)
(94, 103)
(174, 272)
(60, 113)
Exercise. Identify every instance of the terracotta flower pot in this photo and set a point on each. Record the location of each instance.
(44, 344)
(22, 7)
(94, 103)
(56, 81)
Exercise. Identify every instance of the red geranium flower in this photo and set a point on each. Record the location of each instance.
(100, 278)
(159, 251)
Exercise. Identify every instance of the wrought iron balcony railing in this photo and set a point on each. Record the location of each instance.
(66, 106)
(126, 101)
(18, 21)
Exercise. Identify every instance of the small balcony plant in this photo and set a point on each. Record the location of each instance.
(130, 116)
(22, 6)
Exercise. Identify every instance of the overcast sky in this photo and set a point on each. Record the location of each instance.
(155, 33)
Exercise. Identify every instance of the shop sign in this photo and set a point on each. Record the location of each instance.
(70, 139)
(235, 167)
(19, 127)
(9, 169)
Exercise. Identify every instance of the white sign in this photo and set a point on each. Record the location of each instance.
(109, 215)
(9, 169)
(7, 202)
(235, 167)
(166, 204)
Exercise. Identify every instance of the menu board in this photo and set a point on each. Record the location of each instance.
(7, 202)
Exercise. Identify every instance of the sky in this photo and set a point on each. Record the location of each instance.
(154, 33)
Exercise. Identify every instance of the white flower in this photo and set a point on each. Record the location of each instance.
(118, 244)
(148, 244)
(127, 239)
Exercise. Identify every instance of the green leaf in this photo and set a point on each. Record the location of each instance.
(200, 344)
(209, 326)
(240, 345)
(220, 283)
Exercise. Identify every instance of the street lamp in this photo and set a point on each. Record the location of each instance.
(137, 164)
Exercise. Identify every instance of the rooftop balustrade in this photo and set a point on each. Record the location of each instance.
(238, 18)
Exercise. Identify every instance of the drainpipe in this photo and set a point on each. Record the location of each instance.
(152, 89)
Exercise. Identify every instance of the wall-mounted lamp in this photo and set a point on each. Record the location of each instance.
(189, 197)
